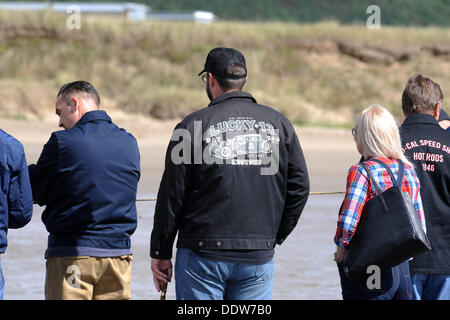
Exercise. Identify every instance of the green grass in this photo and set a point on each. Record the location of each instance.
(404, 12)
(151, 68)
(16, 116)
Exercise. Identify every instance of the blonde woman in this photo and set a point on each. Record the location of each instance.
(377, 139)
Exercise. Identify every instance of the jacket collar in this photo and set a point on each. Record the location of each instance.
(232, 95)
(94, 115)
(420, 118)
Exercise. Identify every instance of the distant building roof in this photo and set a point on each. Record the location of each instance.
(133, 10)
(101, 7)
(198, 16)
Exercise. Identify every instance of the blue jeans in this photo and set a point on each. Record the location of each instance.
(431, 286)
(395, 284)
(198, 278)
(2, 282)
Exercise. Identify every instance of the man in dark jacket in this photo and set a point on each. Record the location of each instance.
(87, 178)
(16, 200)
(234, 185)
(427, 146)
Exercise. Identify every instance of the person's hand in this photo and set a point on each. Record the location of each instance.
(339, 254)
(445, 124)
(162, 273)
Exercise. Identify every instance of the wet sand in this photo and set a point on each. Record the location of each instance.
(304, 264)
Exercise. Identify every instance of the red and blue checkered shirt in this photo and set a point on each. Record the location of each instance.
(360, 190)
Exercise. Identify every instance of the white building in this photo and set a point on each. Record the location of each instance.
(132, 11)
(197, 16)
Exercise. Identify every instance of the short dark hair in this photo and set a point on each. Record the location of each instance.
(81, 86)
(420, 95)
(235, 70)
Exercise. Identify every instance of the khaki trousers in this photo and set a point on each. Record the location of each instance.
(88, 278)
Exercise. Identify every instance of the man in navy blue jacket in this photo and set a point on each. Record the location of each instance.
(16, 202)
(427, 146)
(87, 177)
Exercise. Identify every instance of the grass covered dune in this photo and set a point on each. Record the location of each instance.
(318, 74)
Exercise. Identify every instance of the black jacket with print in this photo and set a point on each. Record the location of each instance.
(235, 178)
(427, 146)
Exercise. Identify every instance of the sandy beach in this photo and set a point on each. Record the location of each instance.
(304, 264)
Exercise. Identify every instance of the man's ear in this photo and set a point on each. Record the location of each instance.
(211, 79)
(74, 104)
(437, 110)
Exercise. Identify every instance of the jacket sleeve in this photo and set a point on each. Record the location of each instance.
(297, 188)
(171, 197)
(44, 172)
(20, 201)
(356, 195)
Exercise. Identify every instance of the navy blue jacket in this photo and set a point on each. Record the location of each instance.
(16, 202)
(87, 178)
(427, 146)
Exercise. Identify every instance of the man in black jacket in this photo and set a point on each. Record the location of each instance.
(234, 185)
(427, 146)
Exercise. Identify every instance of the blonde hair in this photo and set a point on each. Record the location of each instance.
(377, 134)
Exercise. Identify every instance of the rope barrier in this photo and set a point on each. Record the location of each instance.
(326, 192)
(153, 199)
(311, 194)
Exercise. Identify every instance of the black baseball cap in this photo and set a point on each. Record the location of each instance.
(219, 59)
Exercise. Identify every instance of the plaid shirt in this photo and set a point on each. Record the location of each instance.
(360, 190)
